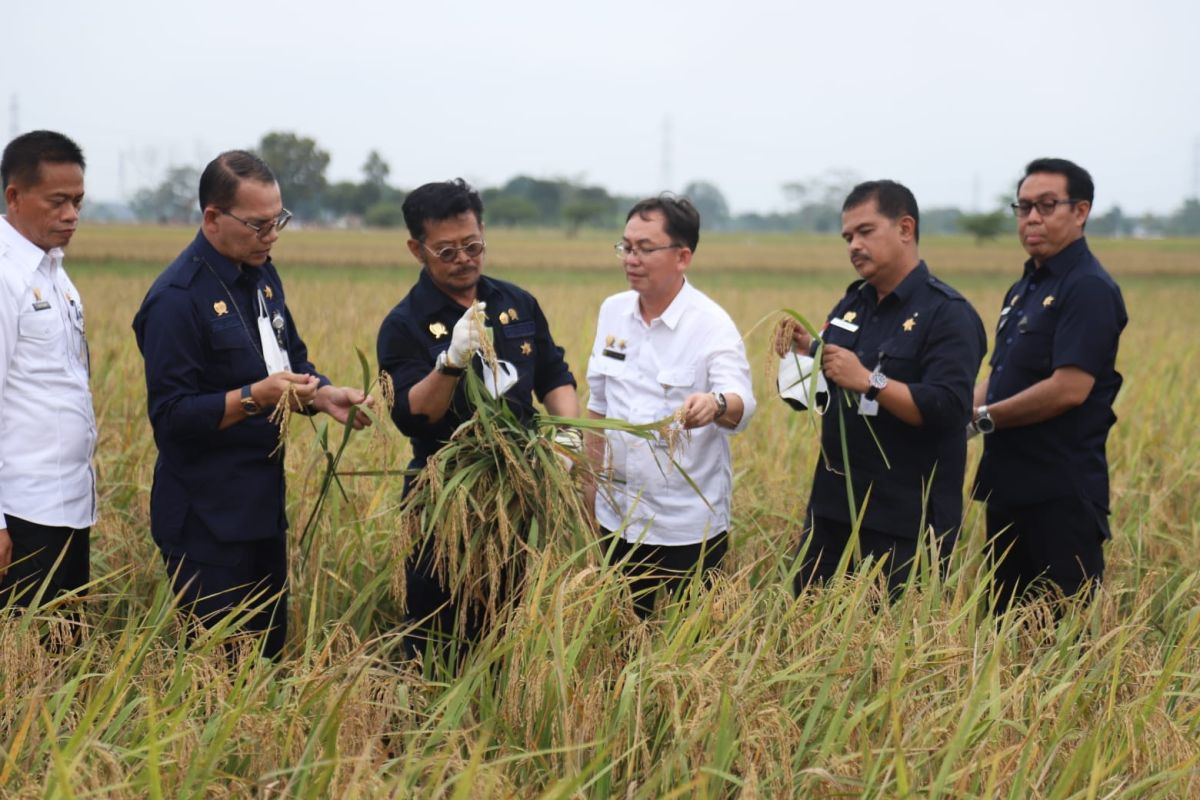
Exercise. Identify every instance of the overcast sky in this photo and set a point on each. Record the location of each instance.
(951, 98)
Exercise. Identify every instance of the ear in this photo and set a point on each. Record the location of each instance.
(908, 228)
(1081, 210)
(684, 259)
(10, 196)
(209, 218)
(417, 249)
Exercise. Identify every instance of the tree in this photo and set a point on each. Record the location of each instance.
(173, 200)
(505, 209)
(299, 167)
(385, 215)
(710, 202)
(1185, 221)
(578, 213)
(984, 226)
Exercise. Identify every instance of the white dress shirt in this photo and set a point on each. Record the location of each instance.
(47, 427)
(642, 373)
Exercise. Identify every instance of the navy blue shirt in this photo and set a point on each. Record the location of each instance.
(419, 328)
(198, 333)
(926, 335)
(1067, 313)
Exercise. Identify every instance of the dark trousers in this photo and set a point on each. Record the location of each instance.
(214, 577)
(35, 548)
(435, 613)
(827, 540)
(1055, 546)
(652, 566)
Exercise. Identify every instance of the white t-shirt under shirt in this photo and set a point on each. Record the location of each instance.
(642, 373)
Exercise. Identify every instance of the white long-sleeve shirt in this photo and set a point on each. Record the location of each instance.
(47, 426)
(642, 373)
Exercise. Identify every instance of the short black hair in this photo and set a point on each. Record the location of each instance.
(24, 156)
(434, 202)
(681, 220)
(894, 200)
(220, 180)
(1079, 180)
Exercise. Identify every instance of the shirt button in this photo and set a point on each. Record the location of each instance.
(1008, 340)
(860, 353)
(1000, 368)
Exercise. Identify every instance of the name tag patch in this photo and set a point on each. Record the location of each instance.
(844, 325)
(619, 356)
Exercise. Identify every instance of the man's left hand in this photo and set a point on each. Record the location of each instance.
(699, 409)
(336, 401)
(843, 368)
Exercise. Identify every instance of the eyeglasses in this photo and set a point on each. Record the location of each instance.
(263, 229)
(636, 251)
(449, 253)
(1044, 207)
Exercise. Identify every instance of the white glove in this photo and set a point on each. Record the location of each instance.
(570, 440)
(465, 340)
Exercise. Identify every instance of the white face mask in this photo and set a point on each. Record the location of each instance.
(795, 379)
(270, 331)
(499, 380)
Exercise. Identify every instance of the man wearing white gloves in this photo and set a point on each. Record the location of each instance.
(429, 340)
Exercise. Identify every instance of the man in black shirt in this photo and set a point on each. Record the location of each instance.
(1046, 407)
(901, 352)
(428, 341)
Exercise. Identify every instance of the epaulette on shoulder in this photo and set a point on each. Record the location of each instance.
(944, 288)
(184, 270)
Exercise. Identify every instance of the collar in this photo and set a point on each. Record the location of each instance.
(672, 313)
(1061, 262)
(904, 290)
(432, 299)
(226, 270)
(27, 255)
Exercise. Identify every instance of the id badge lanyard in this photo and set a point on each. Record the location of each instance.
(270, 331)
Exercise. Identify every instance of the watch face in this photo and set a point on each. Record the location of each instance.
(878, 380)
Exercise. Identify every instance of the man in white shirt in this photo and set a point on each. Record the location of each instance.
(47, 427)
(663, 349)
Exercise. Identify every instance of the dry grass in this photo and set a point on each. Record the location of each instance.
(748, 692)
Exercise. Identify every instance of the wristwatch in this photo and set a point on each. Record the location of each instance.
(983, 420)
(444, 366)
(878, 381)
(248, 405)
(722, 404)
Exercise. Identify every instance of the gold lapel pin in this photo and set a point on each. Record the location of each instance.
(909, 324)
(512, 314)
(1049, 301)
(438, 330)
(504, 317)
(526, 348)
(220, 308)
(268, 293)
(849, 316)
(610, 340)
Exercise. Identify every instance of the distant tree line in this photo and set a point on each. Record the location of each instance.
(813, 204)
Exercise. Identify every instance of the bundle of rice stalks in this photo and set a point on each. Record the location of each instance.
(498, 502)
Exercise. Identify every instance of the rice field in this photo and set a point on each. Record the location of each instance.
(746, 692)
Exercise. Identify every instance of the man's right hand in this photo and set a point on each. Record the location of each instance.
(466, 339)
(268, 391)
(5, 551)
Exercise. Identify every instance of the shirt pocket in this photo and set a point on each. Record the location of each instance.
(224, 336)
(677, 383)
(39, 326)
(902, 360)
(1033, 347)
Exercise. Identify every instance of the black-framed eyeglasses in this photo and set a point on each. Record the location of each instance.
(449, 253)
(622, 249)
(263, 229)
(1044, 208)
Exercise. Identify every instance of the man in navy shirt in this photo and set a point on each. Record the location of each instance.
(902, 350)
(428, 341)
(1046, 407)
(220, 348)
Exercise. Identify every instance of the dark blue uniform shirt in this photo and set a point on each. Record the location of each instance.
(420, 327)
(926, 335)
(1067, 313)
(198, 333)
